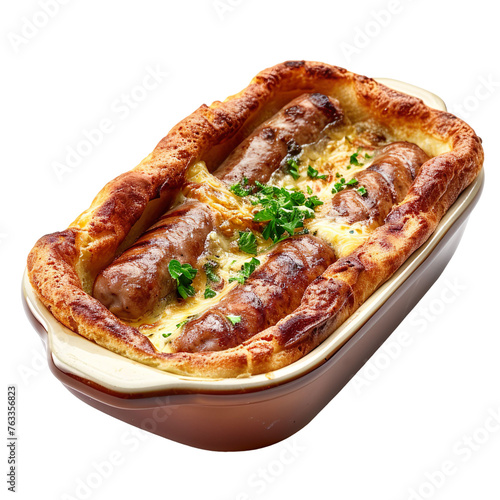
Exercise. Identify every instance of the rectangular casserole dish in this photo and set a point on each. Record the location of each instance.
(247, 413)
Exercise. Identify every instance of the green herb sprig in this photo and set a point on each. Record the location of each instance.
(293, 167)
(246, 270)
(234, 319)
(247, 242)
(284, 211)
(342, 184)
(209, 268)
(354, 158)
(239, 190)
(313, 173)
(184, 275)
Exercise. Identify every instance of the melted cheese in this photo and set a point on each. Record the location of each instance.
(332, 160)
(229, 261)
(329, 157)
(343, 238)
(161, 332)
(234, 210)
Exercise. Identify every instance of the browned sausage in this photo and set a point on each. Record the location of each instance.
(387, 181)
(134, 283)
(272, 291)
(300, 122)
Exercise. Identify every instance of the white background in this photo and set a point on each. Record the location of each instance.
(391, 428)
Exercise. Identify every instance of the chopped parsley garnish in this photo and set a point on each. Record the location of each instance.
(248, 242)
(184, 275)
(337, 175)
(178, 325)
(246, 270)
(338, 186)
(209, 268)
(342, 184)
(362, 191)
(293, 168)
(209, 293)
(312, 202)
(239, 190)
(233, 319)
(309, 190)
(284, 211)
(353, 159)
(181, 324)
(313, 173)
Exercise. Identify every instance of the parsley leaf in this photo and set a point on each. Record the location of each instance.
(362, 191)
(181, 324)
(233, 319)
(246, 270)
(239, 190)
(309, 190)
(209, 271)
(248, 242)
(186, 291)
(284, 211)
(293, 168)
(313, 173)
(353, 159)
(184, 275)
(209, 293)
(342, 184)
(165, 335)
(312, 202)
(338, 186)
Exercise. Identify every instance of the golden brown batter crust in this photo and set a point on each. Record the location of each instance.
(62, 265)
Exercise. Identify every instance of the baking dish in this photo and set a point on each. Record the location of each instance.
(237, 414)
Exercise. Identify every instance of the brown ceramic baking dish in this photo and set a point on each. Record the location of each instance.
(247, 413)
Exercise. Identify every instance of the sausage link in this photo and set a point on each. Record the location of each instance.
(133, 284)
(387, 181)
(300, 122)
(272, 291)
